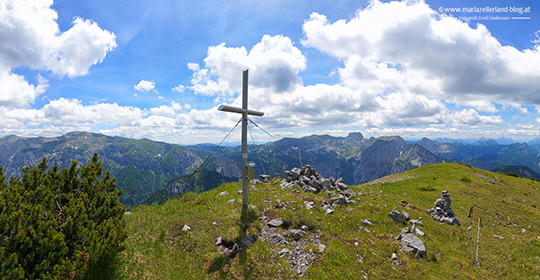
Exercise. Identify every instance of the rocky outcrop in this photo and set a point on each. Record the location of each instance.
(442, 211)
(400, 217)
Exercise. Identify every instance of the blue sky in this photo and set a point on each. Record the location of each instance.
(159, 69)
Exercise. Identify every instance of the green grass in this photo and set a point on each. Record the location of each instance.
(157, 248)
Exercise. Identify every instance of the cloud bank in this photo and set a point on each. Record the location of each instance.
(403, 68)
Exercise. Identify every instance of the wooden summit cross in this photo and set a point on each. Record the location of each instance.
(245, 112)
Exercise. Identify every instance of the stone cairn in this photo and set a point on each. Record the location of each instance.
(309, 180)
(442, 211)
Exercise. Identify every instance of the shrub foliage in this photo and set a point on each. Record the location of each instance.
(64, 224)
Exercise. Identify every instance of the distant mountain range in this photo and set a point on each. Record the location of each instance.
(488, 154)
(143, 167)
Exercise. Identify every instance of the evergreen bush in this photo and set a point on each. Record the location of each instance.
(66, 224)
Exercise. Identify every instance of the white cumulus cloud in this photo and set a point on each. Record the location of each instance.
(274, 63)
(145, 86)
(422, 51)
(30, 36)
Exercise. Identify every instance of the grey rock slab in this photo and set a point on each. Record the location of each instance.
(275, 222)
(397, 216)
(246, 242)
(419, 232)
(406, 216)
(328, 209)
(223, 193)
(411, 243)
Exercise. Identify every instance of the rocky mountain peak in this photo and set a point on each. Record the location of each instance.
(356, 136)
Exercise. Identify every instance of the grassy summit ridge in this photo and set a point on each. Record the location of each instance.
(158, 248)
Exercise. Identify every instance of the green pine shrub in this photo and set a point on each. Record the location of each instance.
(66, 224)
(427, 188)
(465, 179)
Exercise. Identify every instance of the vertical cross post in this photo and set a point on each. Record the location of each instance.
(245, 112)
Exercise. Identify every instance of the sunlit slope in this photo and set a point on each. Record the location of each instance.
(158, 248)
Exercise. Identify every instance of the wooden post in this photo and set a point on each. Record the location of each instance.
(245, 112)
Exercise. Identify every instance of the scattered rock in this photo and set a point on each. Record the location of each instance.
(397, 216)
(246, 242)
(304, 228)
(321, 247)
(367, 230)
(417, 222)
(487, 178)
(309, 204)
(127, 213)
(276, 222)
(224, 193)
(367, 222)
(277, 239)
(284, 252)
(411, 243)
(328, 209)
(406, 216)
(186, 228)
(296, 234)
(498, 236)
(219, 241)
(442, 211)
(255, 182)
(231, 201)
(393, 257)
(265, 178)
(419, 232)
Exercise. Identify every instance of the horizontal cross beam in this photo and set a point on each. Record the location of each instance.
(227, 108)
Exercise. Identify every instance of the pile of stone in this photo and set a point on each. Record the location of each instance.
(308, 180)
(442, 211)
